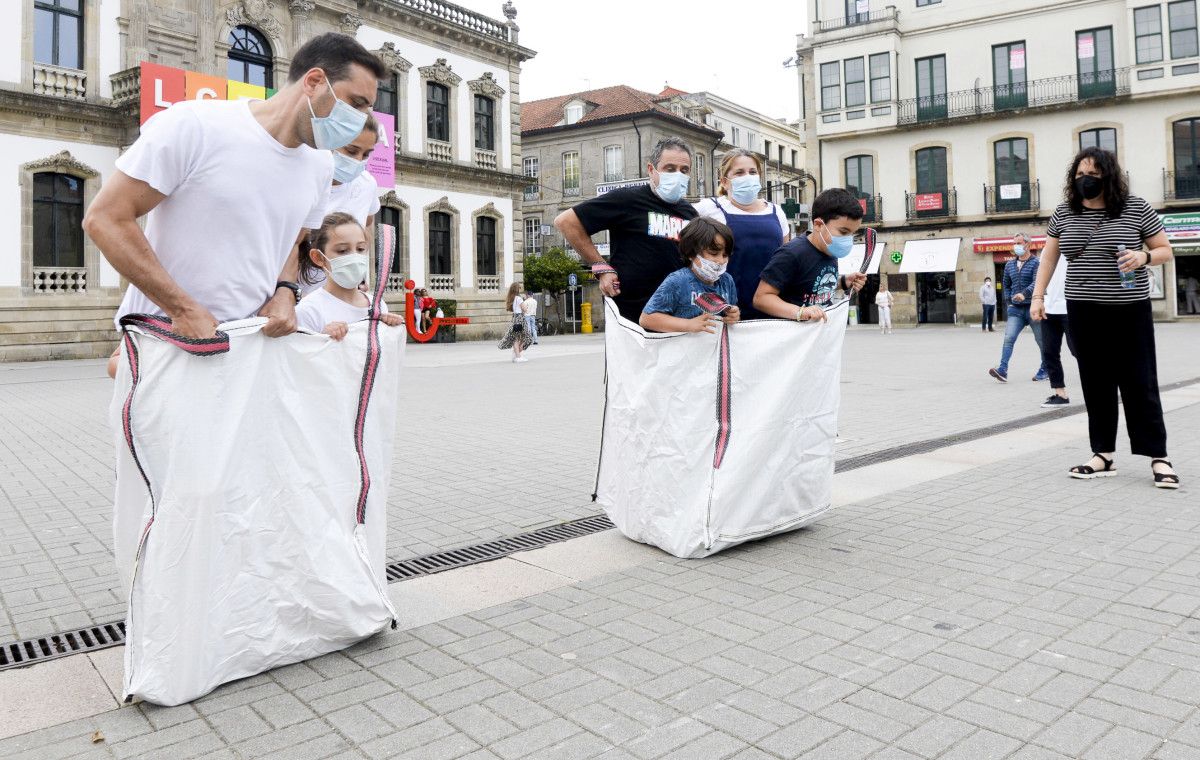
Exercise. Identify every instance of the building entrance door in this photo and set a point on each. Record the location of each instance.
(935, 297)
(997, 281)
(868, 314)
(1187, 272)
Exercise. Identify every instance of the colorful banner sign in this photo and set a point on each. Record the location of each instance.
(1005, 244)
(382, 163)
(163, 86)
(927, 201)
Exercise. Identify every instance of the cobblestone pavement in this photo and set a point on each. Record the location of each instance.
(1004, 612)
(484, 448)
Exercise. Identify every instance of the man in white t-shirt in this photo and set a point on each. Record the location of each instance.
(229, 188)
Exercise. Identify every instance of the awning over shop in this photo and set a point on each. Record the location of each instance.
(851, 263)
(1005, 244)
(937, 255)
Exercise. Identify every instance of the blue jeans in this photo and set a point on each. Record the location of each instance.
(1018, 317)
(989, 314)
(531, 326)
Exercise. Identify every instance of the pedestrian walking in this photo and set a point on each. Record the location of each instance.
(759, 227)
(1108, 238)
(517, 337)
(883, 304)
(643, 224)
(529, 307)
(1019, 277)
(1054, 327)
(987, 296)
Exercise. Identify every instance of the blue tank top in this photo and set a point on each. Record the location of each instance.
(756, 237)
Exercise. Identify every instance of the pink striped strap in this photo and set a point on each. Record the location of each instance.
(161, 328)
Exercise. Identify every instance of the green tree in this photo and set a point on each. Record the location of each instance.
(548, 273)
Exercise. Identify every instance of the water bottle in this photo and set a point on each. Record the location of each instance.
(1128, 279)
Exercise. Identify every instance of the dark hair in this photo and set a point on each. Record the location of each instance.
(1115, 189)
(316, 240)
(665, 144)
(334, 53)
(700, 234)
(835, 202)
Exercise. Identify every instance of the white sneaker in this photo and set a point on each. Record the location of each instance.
(515, 360)
(520, 359)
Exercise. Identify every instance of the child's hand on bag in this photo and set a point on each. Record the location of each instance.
(336, 330)
(703, 323)
(733, 315)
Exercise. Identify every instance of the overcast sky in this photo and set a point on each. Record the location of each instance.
(734, 49)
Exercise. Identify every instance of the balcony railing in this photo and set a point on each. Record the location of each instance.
(487, 283)
(872, 208)
(571, 191)
(60, 280)
(935, 205)
(1011, 198)
(533, 193)
(441, 283)
(126, 86)
(438, 150)
(485, 159)
(1178, 186)
(395, 283)
(59, 82)
(856, 19)
(458, 15)
(1035, 94)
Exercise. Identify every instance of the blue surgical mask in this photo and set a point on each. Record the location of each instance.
(340, 127)
(346, 169)
(1019, 249)
(838, 246)
(744, 189)
(671, 186)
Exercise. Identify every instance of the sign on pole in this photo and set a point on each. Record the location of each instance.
(572, 279)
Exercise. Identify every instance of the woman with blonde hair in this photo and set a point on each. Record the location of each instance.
(759, 227)
(517, 338)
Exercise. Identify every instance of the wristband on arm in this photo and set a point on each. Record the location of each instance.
(600, 268)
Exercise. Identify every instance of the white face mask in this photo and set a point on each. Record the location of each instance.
(709, 271)
(348, 270)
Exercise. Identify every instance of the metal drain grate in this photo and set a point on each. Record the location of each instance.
(471, 555)
(32, 651)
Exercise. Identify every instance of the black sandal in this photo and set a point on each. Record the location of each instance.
(1087, 472)
(1163, 479)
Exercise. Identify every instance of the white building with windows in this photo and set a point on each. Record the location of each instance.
(955, 122)
(69, 104)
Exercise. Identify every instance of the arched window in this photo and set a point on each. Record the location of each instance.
(1104, 137)
(250, 57)
(439, 243)
(1011, 159)
(57, 221)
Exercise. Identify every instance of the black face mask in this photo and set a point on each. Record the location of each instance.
(1088, 186)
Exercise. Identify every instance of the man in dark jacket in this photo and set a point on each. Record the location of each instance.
(1020, 274)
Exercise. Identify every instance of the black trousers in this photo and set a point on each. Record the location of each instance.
(989, 314)
(1054, 327)
(1114, 344)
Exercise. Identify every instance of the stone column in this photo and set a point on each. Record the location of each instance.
(301, 25)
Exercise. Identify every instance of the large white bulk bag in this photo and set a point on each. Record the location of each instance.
(249, 532)
(713, 440)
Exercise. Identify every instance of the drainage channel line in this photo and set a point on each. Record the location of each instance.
(27, 652)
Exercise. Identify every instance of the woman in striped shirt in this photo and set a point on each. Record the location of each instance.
(1108, 238)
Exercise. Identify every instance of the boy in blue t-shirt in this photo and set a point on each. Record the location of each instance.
(801, 277)
(705, 245)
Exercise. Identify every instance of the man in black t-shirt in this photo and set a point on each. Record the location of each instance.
(802, 275)
(643, 226)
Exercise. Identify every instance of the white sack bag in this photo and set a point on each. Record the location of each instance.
(713, 440)
(256, 544)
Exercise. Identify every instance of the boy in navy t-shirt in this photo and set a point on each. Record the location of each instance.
(705, 245)
(802, 275)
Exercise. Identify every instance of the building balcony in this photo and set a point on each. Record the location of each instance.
(935, 205)
(1181, 186)
(60, 280)
(872, 208)
(487, 283)
(459, 16)
(1013, 198)
(571, 192)
(485, 159)
(439, 150)
(395, 283)
(533, 193)
(857, 24)
(126, 86)
(1039, 93)
(59, 82)
(441, 283)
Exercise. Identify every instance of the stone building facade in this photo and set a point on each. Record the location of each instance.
(945, 141)
(69, 104)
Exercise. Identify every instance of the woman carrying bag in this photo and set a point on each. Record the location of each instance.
(517, 338)
(1109, 237)
(759, 227)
